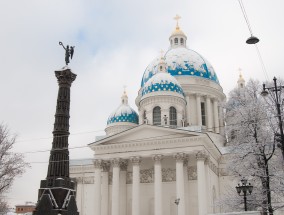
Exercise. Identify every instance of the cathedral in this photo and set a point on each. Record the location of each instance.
(167, 158)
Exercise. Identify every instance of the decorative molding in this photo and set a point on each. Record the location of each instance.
(168, 175)
(123, 165)
(147, 175)
(98, 163)
(135, 160)
(213, 167)
(115, 162)
(106, 166)
(192, 172)
(223, 172)
(180, 156)
(157, 158)
(85, 180)
(201, 155)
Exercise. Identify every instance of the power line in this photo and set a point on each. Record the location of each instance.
(51, 137)
(257, 49)
(145, 139)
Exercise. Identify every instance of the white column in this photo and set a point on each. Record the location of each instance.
(187, 110)
(221, 120)
(216, 115)
(180, 182)
(135, 185)
(208, 184)
(122, 187)
(186, 185)
(201, 185)
(105, 190)
(158, 184)
(97, 191)
(115, 186)
(209, 114)
(198, 110)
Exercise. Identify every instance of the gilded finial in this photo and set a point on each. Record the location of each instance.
(124, 89)
(162, 54)
(177, 17)
(240, 73)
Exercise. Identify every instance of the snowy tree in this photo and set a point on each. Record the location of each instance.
(11, 164)
(253, 151)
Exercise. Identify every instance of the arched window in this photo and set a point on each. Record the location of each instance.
(181, 41)
(157, 116)
(173, 116)
(176, 41)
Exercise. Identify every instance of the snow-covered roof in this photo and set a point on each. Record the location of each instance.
(124, 113)
(182, 61)
(162, 82)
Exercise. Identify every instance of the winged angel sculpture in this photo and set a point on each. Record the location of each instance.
(69, 52)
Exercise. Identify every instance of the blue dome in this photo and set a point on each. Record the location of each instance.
(124, 113)
(162, 81)
(182, 61)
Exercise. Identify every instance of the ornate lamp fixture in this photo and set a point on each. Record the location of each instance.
(244, 189)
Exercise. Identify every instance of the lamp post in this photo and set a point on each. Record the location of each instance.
(275, 89)
(177, 202)
(244, 189)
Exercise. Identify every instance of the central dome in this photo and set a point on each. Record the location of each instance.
(182, 61)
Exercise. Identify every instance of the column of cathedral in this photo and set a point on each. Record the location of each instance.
(97, 191)
(115, 186)
(201, 183)
(180, 157)
(135, 185)
(198, 109)
(105, 190)
(213, 116)
(216, 115)
(158, 184)
(209, 113)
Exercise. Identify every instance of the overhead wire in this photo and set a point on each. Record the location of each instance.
(263, 67)
(134, 141)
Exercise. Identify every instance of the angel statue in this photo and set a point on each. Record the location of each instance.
(69, 51)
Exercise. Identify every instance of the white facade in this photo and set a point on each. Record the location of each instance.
(169, 153)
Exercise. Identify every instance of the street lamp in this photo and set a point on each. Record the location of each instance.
(177, 202)
(275, 89)
(252, 40)
(244, 189)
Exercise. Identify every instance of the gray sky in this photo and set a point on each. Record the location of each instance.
(115, 41)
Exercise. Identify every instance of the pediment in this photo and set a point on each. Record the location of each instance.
(143, 133)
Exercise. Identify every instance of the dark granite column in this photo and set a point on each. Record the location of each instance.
(56, 193)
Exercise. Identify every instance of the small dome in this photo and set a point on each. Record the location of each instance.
(162, 81)
(124, 113)
(178, 32)
(182, 61)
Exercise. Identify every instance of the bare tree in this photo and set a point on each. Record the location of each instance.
(12, 164)
(253, 151)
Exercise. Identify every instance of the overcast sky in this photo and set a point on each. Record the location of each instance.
(114, 42)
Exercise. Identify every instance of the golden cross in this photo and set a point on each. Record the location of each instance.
(162, 53)
(124, 87)
(177, 17)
